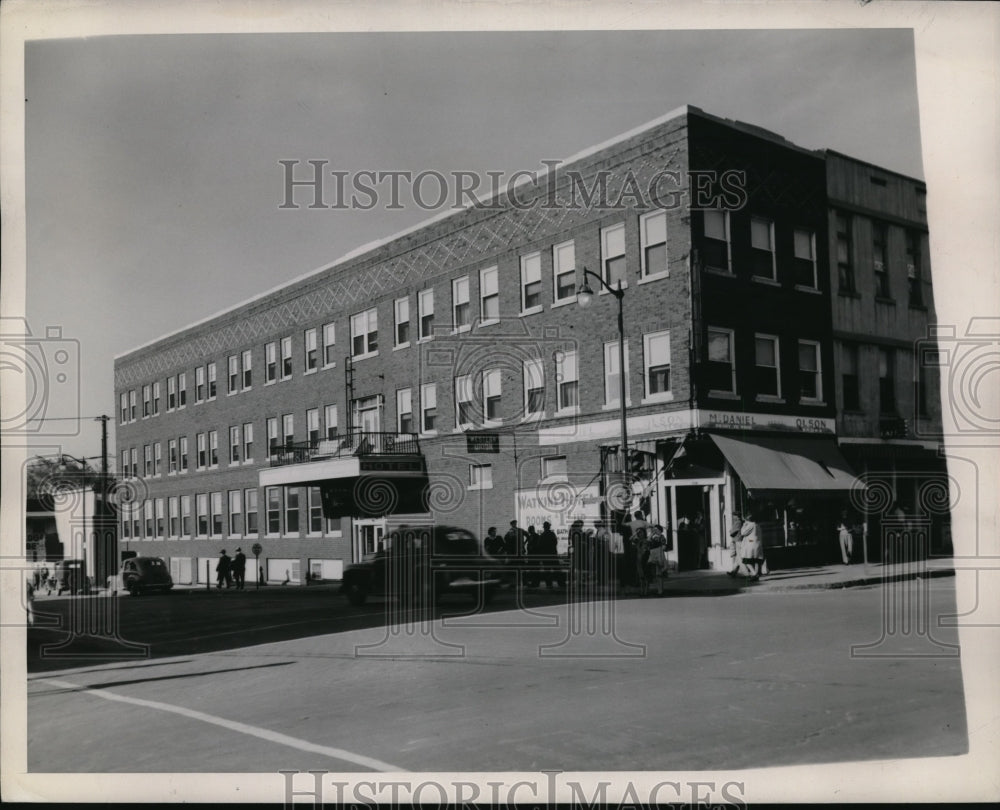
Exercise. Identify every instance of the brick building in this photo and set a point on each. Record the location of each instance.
(450, 371)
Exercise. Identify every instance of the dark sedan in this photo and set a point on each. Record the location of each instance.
(423, 564)
(141, 575)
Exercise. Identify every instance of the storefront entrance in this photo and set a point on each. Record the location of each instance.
(692, 529)
(368, 534)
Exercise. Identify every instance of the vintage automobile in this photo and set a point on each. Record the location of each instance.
(141, 575)
(421, 564)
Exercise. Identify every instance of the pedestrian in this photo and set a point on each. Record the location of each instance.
(845, 538)
(533, 552)
(634, 541)
(549, 545)
(734, 544)
(224, 571)
(656, 564)
(751, 548)
(239, 569)
(699, 529)
(30, 585)
(514, 541)
(493, 542)
(599, 559)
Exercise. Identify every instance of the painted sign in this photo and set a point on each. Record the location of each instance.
(561, 503)
(729, 420)
(482, 442)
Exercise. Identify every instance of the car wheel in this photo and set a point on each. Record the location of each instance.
(356, 594)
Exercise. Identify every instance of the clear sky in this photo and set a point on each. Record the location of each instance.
(153, 182)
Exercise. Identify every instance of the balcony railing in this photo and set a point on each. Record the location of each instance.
(359, 443)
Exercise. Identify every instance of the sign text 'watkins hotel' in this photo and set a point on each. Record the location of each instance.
(311, 184)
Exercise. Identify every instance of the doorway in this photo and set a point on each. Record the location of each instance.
(692, 527)
(368, 534)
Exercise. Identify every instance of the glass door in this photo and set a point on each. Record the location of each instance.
(368, 536)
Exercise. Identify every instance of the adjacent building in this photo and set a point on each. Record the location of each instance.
(450, 373)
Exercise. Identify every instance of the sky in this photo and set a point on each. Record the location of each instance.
(152, 177)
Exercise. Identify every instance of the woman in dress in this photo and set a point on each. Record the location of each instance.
(751, 548)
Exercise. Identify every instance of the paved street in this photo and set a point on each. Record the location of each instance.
(735, 681)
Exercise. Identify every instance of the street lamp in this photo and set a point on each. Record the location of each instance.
(584, 297)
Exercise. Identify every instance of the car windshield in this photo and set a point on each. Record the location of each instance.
(455, 541)
(149, 565)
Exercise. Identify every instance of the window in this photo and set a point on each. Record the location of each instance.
(171, 456)
(716, 243)
(330, 421)
(489, 296)
(364, 333)
(425, 311)
(136, 521)
(233, 375)
(564, 271)
(913, 276)
(201, 506)
(920, 394)
(234, 444)
(463, 400)
(613, 255)
(156, 398)
(534, 387)
(247, 442)
(123, 404)
(461, 315)
(250, 510)
(202, 451)
(531, 282)
(171, 393)
(272, 436)
(272, 499)
(311, 352)
(211, 380)
(768, 375)
(147, 513)
(329, 345)
(185, 516)
(554, 467)
(612, 374)
(173, 516)
(491, 394)
(880, 260)
(404, 411)
(480, 476)
(158, 458)
(199, 384)
(126, 521)
(270, 362)
(288, 429)
(762, 244)
(125, 468)
(147, 460)
(805, 259)
(315, 506)
(184, 453)
(845, 254)
(886, 381)
(146, 402)
(291, 510)
(721, 361)
(312, 426)
(213, 448)
(428, 404)
(849, 378)
(216, 514)
(653, 243)
(182, 389)
(160, 521)
(810, 380)
(567, 381)
(247, 369)
(401, 312)
(656, 347)
(286, 358)
(235, 512)
(131, 405)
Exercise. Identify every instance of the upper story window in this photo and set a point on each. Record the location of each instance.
(247, 442)
(286, 358)
(721, 361)
(461, 315)
(234, 444)
(199, 384)
(425, 307)
(211, 380)
(491, 394)
(554, 467)
(312, 426)
(233, 373)
(404, 410)
(805, 259)
(656, 351)
(247, 361)
(463, 401)
(156, 398)
(131, 405)
(531, 282)
(401, 310)
(330, 421)
(612, 374)
(329, 345)
(171, 393)
(913, 276)
(272, 435)
(880, 260)
(309, 344)
(489, 296)
(534, 387)
(564, 271)
(716, 247)
(762, 242)
(147, 405)
(886, 381)
(767, 366)
(849, 381)
(428, 407)
(364, 334)
(567, 381)
(270, 362)
(845, 254)
(613, 255)
(810, 372)
(653, 243)
(123, 406)
(288, 429)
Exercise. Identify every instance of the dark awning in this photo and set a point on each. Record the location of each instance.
(771, 466)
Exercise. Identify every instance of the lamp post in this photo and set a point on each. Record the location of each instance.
(584, 297)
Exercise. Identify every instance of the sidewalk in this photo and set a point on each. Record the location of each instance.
(823, 577)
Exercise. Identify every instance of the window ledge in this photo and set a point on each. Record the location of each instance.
(604, 291)
(563, 302)
(425, 339)
(887, 301)
(488, 322)
(805, 289)
(812, 403)
(365, 356)
(247, 388)
(493, 423)
(427, 434)
(849, 293)
(654, 277)
(771, 398)
(719, 271)
(723, 395)
(614, 406)
(770, 282)
(328, 365)
(571, 411)
(478, 487)
(654, 398)
(401, 346)
(459, 330)
(270, 382)
(309, 371)
(530, 311)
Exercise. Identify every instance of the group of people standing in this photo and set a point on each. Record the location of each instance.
(231, 570)
(745, 547)
(538, 550)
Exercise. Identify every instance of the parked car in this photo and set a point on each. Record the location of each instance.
(70, 575)
(424, 563)
(141, 575)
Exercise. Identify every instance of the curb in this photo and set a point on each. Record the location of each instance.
(853, 583)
